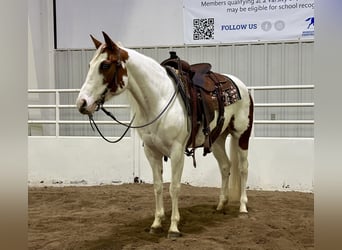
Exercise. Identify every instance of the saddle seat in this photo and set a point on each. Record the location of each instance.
(199, 71)
(206, 92)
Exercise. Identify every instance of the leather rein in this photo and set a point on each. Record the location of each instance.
(101, 101)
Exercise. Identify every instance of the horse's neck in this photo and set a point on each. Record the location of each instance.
(148, 84)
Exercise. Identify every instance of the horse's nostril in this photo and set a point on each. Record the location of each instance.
(82, 106)
(83, 103)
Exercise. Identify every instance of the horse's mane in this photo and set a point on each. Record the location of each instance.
(146, 59)
(145, 67)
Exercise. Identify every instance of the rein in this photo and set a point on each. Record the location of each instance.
(100, 103)
(92, 122)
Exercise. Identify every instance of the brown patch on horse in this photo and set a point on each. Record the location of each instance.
(244, 138)
(231, 127)
(112, 69)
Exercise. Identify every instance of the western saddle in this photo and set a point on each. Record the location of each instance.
(203, 93)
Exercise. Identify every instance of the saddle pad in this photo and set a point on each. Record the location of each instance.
(231, 95)
(230, 92)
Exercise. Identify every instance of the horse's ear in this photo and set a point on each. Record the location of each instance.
(111, 45)
(96, 42)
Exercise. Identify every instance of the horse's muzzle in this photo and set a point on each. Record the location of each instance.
(82, 107)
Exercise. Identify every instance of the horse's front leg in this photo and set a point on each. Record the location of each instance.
(177, 163)
(155, 160)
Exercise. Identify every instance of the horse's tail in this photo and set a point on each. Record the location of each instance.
(234, 178)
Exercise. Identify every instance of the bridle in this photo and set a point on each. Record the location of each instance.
(109, 88)
(101, 101)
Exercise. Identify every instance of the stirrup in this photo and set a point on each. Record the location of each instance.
(192, 154)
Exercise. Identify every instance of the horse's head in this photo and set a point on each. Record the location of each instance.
(107, 76)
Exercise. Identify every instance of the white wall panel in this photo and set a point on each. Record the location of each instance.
(257, 75)
(71, 160)
(194, 54)
(163, 53)
(274, 63)
(209, 54)
(242, 65)
(274, 164)
(134, 22)
(292, 64)
(226, 59)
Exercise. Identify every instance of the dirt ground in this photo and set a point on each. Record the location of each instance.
(119, 217)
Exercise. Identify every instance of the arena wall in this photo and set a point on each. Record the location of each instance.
(274, 163)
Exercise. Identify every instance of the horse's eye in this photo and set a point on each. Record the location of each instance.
(105, 65)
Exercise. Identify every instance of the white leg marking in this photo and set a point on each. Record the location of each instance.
(177, 163)
(155, 160)
(243, 167)
(221, 156)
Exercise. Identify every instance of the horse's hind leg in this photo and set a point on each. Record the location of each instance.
(238, 174)
(243, 167)
(155, 160)
(221, 156)
(239, 147)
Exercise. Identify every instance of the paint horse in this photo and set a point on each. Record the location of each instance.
(115, 69)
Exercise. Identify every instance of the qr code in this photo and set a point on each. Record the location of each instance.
(203, 29)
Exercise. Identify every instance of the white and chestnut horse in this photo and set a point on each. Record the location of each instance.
(115, 69)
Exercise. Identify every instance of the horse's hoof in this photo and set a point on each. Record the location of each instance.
(222, 204)
(156, 230)
(220, 208)
(174, 235)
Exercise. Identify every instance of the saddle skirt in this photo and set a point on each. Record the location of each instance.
(203, 92)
